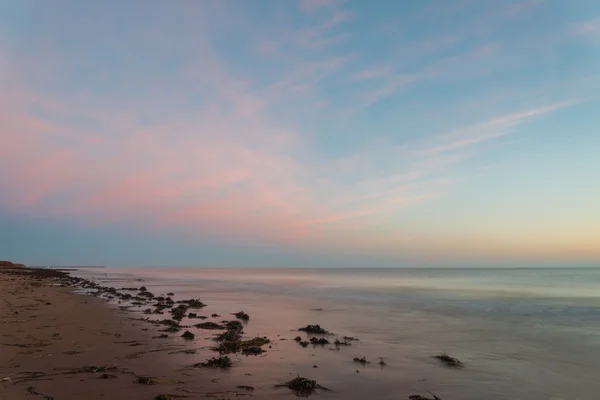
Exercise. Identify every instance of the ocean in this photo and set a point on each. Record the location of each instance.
(522, 333)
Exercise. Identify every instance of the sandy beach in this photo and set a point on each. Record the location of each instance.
(56, 344)
(64, 337)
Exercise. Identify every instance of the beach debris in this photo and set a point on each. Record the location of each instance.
(229, 335)
(449, 361)
(215, 362)
(319, 341)
(257, 341)
(242, 315)
(192, 303)
(362, 360)
(145, 380)
(228, 346)
(246, 387)
(252, 351)
(314, 330)
(179, 312)
(107, 376)
(419, 397)
(209, 325)
(247, 347)
(302, 387)
(234, 326)
(188, 335)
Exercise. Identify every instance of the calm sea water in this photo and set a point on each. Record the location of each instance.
(531, 334)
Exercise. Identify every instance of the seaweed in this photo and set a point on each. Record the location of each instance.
(188, 335)
(314, 329)
(302, 387)
(362, 360)
(319, 341)
(215, 362)
(304, 343)
(246, 387)
(449, 361)
(228, 346)
(179, 312)
(298, 339)
(229, 335)
(145, 380)
(192, 303)
(234, 326)
(209, 325)
(242, 315)
(252, 350)
(257, 341)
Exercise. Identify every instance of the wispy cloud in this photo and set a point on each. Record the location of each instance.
(320, 35)
(587, 28)
(491, 129)
(310, 6)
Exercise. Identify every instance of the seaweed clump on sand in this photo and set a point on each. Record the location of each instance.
(253, 346)
(234, 326)
(303, 343)
(215, 362)
(179, 312)
(449, 361)
(319, 341)
(209, 325)
(242, 315)
(145, 380)
(302, 387)
(419, 397)
(192, 303)
(162, 397)
(188, 335)
(362, 360)
(314, 330)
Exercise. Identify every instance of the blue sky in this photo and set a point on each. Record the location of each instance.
(300, 133)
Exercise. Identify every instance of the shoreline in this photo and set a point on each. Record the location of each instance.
(126, 343)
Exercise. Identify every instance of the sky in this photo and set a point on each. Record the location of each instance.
(310, 133)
